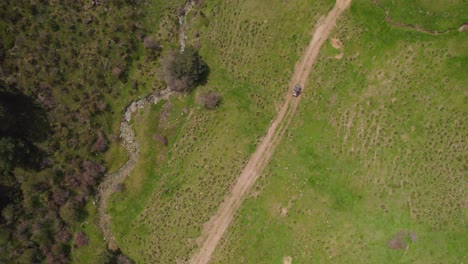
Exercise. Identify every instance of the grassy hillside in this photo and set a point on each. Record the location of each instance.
(251, 57)
(374, 166)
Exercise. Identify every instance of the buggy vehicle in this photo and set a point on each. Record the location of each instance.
(297, 90)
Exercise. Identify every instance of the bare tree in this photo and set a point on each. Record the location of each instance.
(209, 100)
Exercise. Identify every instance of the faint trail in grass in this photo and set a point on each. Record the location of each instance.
(112, 181)
(218, 224)
(415, 27)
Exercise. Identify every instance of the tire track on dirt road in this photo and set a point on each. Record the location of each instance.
(218, 224)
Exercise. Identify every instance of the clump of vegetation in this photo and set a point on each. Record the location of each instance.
(80, 239)
(150, 42)
(209, 100)
(50, 107)
(101, 143)
(182, 71)
(161, 139)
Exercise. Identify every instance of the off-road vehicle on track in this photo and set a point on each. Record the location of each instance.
(297, 90)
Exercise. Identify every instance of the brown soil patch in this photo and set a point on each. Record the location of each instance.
(413, 236)
(401, 239)
(339, 56)
(218, 224)
(285, 210)
(336, 43)
(287, 260)
(398, 241)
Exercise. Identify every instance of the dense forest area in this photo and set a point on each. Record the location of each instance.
(60, 63)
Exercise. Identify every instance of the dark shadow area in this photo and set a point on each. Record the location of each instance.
(6, 196)
(22, 124)
(203, 77)
(21, 117)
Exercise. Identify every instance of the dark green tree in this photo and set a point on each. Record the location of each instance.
(183, 71)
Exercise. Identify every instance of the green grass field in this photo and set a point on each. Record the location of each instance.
(376, 147)
(251, 60)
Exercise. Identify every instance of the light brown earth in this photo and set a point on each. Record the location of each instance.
(287, 260)
(336, 43)
(218, 224)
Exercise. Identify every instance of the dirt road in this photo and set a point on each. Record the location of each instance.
(217, 226)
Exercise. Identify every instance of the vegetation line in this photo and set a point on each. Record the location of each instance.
(418, 28)
(113, 180)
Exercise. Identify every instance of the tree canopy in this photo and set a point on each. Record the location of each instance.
(183, 71)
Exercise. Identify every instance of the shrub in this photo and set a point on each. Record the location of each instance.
(80, 239)
(101, 106)
(209, 100)
(121, 259)
(4, 236)
(59, 196)
(101, 143)
(58, 249)
(150, 43)
(90, 172)
(62, 235)
(161, 138)
(28, 256)
(70, 213)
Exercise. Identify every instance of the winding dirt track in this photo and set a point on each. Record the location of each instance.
(112, 181)
(218, 224)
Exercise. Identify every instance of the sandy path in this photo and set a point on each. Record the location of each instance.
(218, 224)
